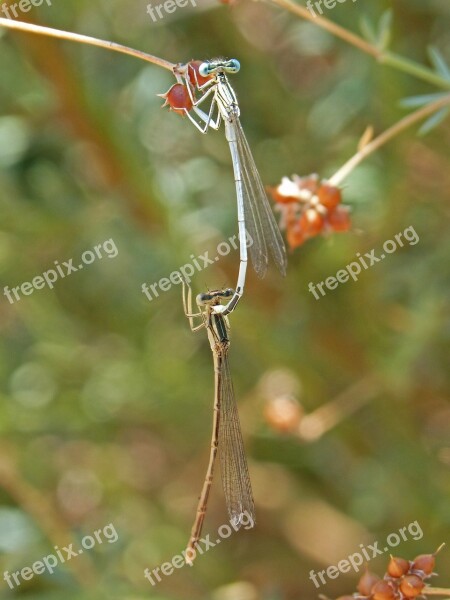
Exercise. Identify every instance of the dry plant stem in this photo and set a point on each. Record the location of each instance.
(317, 423)
(432, 591)
(85, 39)
(114, 170)
(336, 30)
(387, 58)
(386, 136)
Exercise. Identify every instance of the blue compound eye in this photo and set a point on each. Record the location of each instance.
(204, 69)
(234, 65)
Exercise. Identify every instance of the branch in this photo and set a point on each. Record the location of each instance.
(324, 418)
(386, 136)
(387, 58)
(85, 39)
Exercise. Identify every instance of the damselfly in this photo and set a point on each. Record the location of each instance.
(254, 213)
(226, 433)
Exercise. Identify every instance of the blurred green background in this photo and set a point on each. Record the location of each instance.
(106, 398)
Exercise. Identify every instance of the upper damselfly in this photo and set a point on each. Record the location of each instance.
(255, 216)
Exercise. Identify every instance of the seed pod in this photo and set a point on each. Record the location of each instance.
(311, 222)
(283, 414)
(398, 566)
(425, 563)
(177, 98)
(339, 219)
(411, 586)
(295, 236)
(329, 196)
(310, 182)
(383, 591)
(366, 583)
(279, 195)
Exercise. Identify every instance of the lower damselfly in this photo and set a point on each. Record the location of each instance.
(226, 437)
(257, 225)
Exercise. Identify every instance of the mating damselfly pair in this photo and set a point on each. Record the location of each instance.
(255, 217)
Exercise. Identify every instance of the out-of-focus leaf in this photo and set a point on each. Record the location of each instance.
(16, 530)
(422, 100)
(14, 140)
(368, 30)
(434, 120)
(439, 62)
(384, 30)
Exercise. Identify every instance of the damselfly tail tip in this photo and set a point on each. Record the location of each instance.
(236, 521)
(244, 517)
(190, 553)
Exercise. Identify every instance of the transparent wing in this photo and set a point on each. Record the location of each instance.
(259, 219)
(235, 475)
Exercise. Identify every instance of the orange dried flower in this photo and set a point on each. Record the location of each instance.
(309, 207)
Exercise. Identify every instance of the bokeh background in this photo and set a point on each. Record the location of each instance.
(106, 398)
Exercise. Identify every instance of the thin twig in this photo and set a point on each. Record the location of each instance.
(324, 418)
(383, 56)
(85, 39)
(386, 136)
(436, 591)
(333, 28)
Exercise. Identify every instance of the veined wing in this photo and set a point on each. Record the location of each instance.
(235, 475)
(259, 219)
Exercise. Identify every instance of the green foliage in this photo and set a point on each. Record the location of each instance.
(106, 397)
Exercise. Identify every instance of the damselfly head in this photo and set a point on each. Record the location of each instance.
(227, 293)
(214, 297)
(219, 65)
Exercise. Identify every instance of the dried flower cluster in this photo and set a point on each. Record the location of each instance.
(309, 207)
(403, 580)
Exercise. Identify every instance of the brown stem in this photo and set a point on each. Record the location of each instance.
(386, 136)
(333, 28)
(385, 57)
(436, 591)
(117, 173)
(85, 39)
(324, 418)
